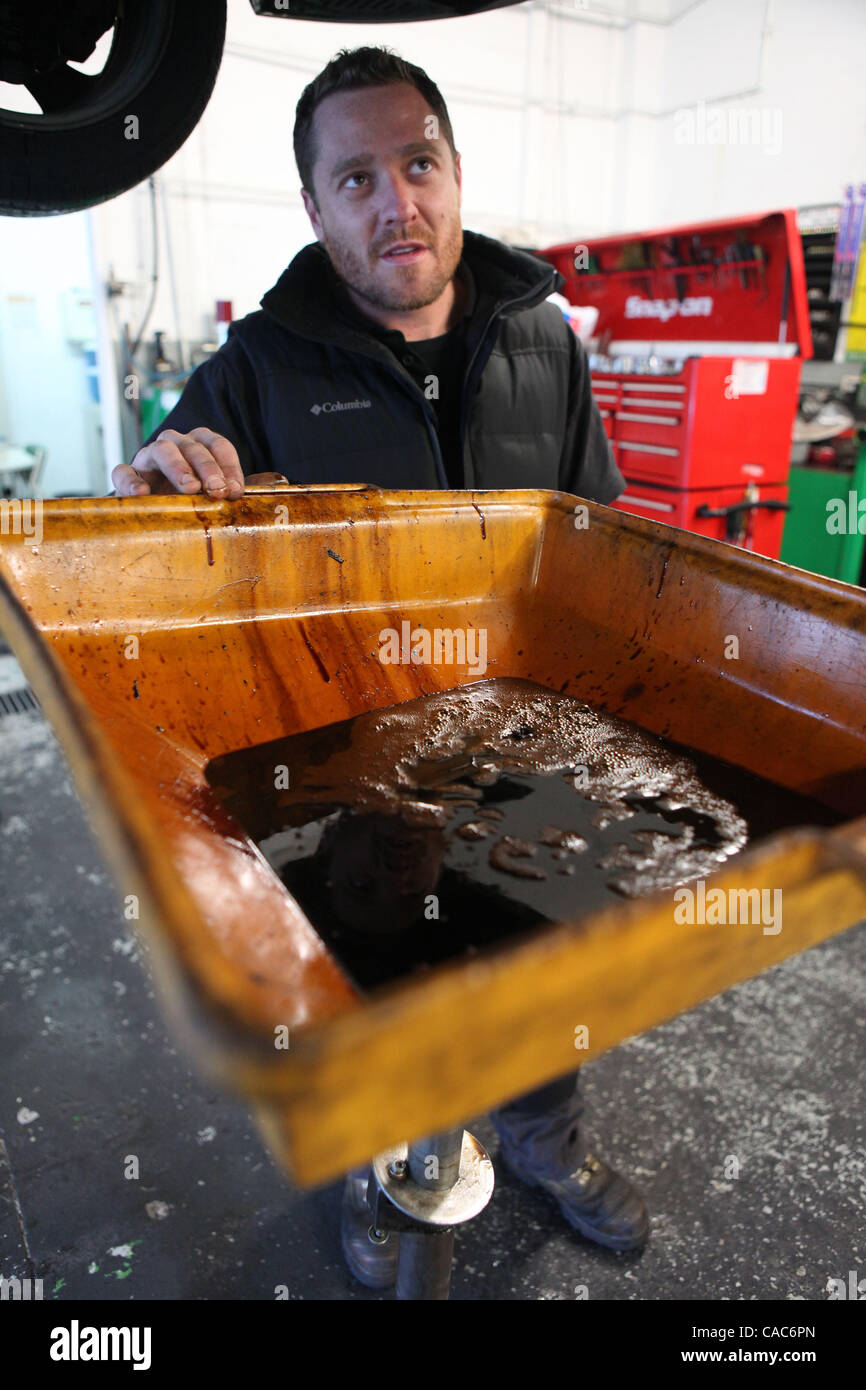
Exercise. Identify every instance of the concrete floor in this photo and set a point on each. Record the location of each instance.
(770, 1073)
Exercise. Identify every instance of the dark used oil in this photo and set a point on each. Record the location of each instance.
(439, 827)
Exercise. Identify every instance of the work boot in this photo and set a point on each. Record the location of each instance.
(373, 1262)
(543, 1142)
(596, 1200)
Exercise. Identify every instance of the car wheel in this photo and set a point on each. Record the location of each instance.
(97, 135)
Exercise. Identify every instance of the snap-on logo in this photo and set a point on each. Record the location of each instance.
(328, 406)
(664, 309)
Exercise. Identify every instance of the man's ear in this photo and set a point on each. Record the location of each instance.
(313, 214)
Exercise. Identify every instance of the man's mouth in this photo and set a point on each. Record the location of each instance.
(405, 252)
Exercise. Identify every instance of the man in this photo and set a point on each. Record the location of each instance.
(402, 351)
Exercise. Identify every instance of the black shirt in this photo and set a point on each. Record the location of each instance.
(436, 364)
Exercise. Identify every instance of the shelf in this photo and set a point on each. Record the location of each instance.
(710, 268)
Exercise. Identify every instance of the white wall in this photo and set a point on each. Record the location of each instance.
(796, 69)
(568, 120)
(232, 192)
(44, 396)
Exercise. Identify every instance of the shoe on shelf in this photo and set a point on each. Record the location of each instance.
(596, 1200)
(373, 1262)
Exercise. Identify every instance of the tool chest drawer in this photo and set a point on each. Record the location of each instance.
(657, 463)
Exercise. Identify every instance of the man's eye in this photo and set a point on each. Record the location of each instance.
(359, 179)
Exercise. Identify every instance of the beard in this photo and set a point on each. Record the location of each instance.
(389, 288)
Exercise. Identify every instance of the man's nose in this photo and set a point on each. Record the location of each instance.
(398, 200)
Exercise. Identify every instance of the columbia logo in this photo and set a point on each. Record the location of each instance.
(328, 406)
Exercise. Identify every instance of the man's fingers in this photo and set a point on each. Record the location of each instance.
(128, 483)
(212, 459)
(188, 463)
(196, 462)
(226, 456)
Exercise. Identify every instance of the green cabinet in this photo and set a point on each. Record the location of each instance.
(825, 530)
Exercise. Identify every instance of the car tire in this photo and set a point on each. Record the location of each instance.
(122, 124)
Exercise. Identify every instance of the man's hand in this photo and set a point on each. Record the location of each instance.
(198, 461)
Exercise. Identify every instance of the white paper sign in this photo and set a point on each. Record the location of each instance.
(749, 377)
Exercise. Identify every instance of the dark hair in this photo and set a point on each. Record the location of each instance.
(350, 70)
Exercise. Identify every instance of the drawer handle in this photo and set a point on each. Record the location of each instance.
(648, 448)
(650, 419)
(646, 502)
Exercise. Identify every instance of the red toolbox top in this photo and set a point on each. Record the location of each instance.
(697, 288)
(700, 339)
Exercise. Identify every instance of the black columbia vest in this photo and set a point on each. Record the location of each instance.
(300, 391)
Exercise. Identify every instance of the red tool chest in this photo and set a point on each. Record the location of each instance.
(701, 335)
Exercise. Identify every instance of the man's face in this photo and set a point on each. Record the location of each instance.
(379, 180)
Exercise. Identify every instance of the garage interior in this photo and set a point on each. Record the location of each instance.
(695, 172)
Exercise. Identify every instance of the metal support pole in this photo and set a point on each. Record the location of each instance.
(424, 1266)
(424, 1261)
(422, 1191)
(434, 1162)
